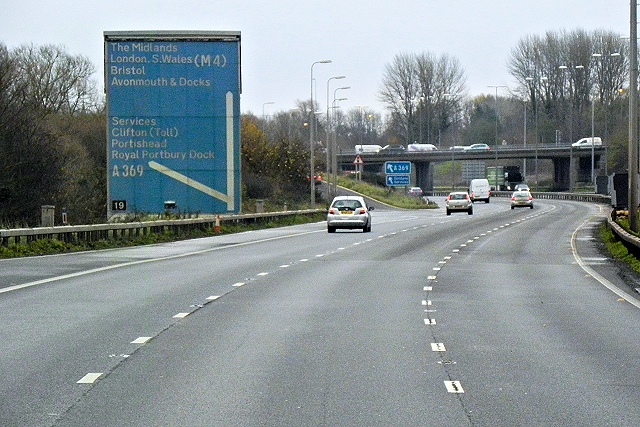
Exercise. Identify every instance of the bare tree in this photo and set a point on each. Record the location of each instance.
(57, 81)
(399, 88)
(562, 73)
(422, 92)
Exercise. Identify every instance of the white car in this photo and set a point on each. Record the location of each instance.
(478, 147)
(588, 142)
(459, 201)
(349, 212)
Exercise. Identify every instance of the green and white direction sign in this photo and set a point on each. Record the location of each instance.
(173, 121)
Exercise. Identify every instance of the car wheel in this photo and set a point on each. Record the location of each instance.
(531, 206)
(331, 229)
(470, 212)
(448, 212)
(511, 207)
(487, 201)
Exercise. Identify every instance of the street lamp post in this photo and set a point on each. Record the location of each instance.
(266, 103)
(333, 144)
(312, 144)
(334, 147)
(496, 108)
(328, 130)
(495, 174)
(633, 117)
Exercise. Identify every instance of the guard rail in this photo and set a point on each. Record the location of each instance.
(97, 232)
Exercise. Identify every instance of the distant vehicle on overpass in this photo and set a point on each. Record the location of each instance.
(596, 141)
(367, 148)
(414, 148)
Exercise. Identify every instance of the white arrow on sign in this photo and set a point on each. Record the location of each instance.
(190, 182)
(227, 198)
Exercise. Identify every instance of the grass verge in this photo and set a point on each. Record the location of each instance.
(616, 249)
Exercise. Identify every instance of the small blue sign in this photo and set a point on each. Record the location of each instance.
(397, 168)
(397, 180)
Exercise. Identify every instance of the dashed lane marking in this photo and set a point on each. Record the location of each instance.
(90, 378)
(454, 386)
(437, 346)
(180, 315)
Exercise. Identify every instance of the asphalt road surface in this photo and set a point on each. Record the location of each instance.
(501, 318)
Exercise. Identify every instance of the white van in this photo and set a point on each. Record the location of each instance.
(479, 189)
(421, 147)
(588, 142)
(368, 148)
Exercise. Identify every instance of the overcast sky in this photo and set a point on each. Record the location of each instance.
(282, 38)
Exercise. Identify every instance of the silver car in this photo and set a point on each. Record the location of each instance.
(521, 199)
(349, 212)
(459, 201)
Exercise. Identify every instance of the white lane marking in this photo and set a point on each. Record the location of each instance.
(285, 265)
(263, 274)
(436, 268)
(90, 378)
(454, 387)
(437, 346)
(428, 288)
(431, 277)
(429, 322)
(237, 285)
(141, 340)
(180, 315)
(145, 261)
(613, 288)
(213, 297)
(426, 302)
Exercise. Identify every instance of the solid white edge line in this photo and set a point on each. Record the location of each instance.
(145, 261)
(613, 288)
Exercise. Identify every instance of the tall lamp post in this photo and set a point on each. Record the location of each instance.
(312, 175)
(495, 174)
(334, 147)
(496, 108)
(328, 144)
(633, 117)
(266, 103)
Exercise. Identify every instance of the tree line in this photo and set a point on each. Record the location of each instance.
(53, 125)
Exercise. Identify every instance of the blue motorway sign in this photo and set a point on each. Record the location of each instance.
(397, 180)
(397, 168)
(173, 121)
